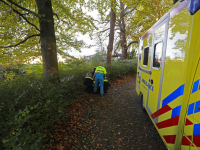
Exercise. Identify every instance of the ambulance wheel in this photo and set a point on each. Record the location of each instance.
(142, 104)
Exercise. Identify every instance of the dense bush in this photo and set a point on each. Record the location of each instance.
(122, 68)
(30, 107)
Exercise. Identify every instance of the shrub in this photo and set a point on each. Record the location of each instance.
(122, 68)
(30, 107)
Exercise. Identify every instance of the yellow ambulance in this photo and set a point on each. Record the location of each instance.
(168, 75)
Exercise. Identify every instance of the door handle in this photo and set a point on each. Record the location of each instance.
(151, 81)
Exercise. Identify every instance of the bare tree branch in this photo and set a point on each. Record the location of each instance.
(137, 3)
(21, 15)
(131, 43)
(129, 12)
(56, 15)
(116, 54)
(117, 46)
(57, 18)
(68, 23)
(117, 29)
(20, 42)
(106, 21)
(21, 7)
(26, 20)
(103, 30)
(145, 13)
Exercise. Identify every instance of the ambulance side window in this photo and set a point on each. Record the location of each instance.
(146, 56)
(157, 56)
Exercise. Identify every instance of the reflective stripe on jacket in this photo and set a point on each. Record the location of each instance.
(89, 78)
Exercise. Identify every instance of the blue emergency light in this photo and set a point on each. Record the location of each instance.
(193, 6)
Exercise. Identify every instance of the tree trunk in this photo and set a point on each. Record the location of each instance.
(123, 32)
(112, 31)
(48, 40)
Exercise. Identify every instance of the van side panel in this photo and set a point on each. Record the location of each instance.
(191, 125)
(178, 111)
(138, 78)
(173, 78)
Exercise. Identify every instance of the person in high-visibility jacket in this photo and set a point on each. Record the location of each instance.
(88, 82)
(99, 75)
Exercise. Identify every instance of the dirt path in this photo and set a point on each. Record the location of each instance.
(116, 121)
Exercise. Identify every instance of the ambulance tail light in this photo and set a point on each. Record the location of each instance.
(193, 6)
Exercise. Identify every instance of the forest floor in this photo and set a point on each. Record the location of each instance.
(114, 121)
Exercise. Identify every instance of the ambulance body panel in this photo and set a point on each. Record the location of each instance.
(168, 77)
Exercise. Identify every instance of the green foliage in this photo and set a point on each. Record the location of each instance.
(9, 76)
(139, 16)
(20, 20)
(120, 68)
(144, 16)
(14, 29)
(36, 69)
(30, 107)
(132, 52)
(9, 72)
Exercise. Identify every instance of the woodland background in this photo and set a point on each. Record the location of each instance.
(33, 97)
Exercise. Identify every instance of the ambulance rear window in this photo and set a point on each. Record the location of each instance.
(157, 56)
(146, 54)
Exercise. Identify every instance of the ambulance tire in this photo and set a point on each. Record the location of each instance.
(142, 104)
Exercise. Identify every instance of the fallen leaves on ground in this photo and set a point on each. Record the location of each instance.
(110, 122)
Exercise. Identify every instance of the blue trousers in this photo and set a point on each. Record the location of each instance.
(99, 78)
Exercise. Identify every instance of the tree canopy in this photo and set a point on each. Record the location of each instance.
(133, 19)
(20, 30)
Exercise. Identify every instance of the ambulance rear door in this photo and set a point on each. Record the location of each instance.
(138, 78)
(157, 66)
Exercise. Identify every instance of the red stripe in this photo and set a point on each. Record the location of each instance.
(190, 137)
(188, 122)
(168, 123)
(161, 111)
(170, 138)
(196, 140)
(147, 34)
(185, 141)
(180, 7)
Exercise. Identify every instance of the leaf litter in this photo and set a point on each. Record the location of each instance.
(114, 121)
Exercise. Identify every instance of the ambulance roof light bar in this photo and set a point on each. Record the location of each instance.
(193, 6)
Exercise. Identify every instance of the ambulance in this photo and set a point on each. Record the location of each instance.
(168, 75)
